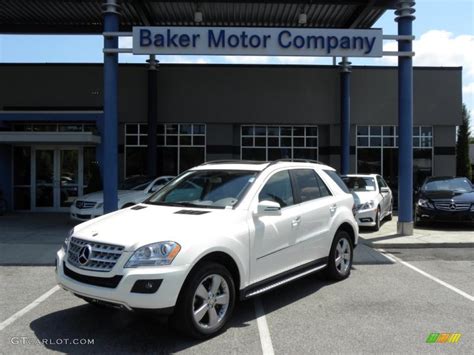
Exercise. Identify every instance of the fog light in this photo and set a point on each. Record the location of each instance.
(146, 286)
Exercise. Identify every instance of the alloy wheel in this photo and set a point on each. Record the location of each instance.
(343, 256)
(211, 302)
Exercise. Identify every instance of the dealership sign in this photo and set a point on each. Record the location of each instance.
(257, 41)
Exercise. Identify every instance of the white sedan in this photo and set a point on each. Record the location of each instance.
(373, 199)
(131, 191)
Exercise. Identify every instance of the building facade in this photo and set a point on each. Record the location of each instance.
(209, 112)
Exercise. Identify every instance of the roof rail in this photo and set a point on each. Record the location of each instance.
(234, 161)
(295, 161)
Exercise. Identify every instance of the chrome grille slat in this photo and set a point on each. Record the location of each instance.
(447, 206)
(85, 204)
(103, 256)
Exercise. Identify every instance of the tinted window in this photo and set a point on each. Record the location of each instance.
(448, 184)
(381, 182)
(278, 189)
(358, 183)
(337, 179)
(310, 185)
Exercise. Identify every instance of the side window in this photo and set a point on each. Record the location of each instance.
(337, 179)
(278, 189)
(380, 182)
(310, 185)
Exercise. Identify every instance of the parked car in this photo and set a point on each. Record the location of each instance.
(445, 198)
(130, 192)
(219, 232)
(373, 199)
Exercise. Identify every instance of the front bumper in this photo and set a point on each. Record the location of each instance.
(435, 215)
(366, 218)
(165, 297)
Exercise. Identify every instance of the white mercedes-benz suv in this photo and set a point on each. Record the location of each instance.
(219, 232)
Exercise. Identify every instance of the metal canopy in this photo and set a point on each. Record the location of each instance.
(75, 17)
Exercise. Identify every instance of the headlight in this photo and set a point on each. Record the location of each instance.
(99, 205)
(154, 254)
(368, 205)
(472, 207)
(66, 241)
(425, 203)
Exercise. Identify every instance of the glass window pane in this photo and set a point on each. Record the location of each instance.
(388, 131)
(286, 142)
(254, 154)
(167, 163)
(190, 157)
(369, 161)
(285, 131)
(426, 142)
(390, 168)
(273, 131)
(199, 129)
(70, 128)
(363, 141)
(298, 131)
(247, 130)
(312, 142)
(185, 129)
(312, 131)
(45, 128)
(299, 142)
(171, 129)
(131, 140)
(279, 153)
(416, 131)
(143, 140)
(171, 140)
(375, 142)
(160, 129)
(21, 198)
(422, 165)
(375, 130)
(388, 142)
(143, 128)
(136, 162)
(362, 130)
(91, 172)
(260, 142)
(185, 140)
(247, 142)
(273, 142)
(301, 153)
(260, 130)
(21, 166)
(416, 142)
(426, 131)
(198, 140)
(131, 128)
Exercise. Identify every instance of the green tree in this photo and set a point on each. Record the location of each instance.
(463, 165)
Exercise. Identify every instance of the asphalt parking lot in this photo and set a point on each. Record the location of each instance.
(386, 306)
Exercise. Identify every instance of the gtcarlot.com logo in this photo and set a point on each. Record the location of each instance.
(23, 340)
(443, 338)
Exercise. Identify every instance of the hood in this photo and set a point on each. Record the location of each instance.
(135, 226)
(448, 195)
(99, 195)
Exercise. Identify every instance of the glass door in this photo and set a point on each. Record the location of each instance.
(57, 177)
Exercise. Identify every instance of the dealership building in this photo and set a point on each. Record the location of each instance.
(57, 120)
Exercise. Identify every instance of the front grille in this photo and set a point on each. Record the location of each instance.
(109, 282)
(85, 204)
(103, 257)
(452, 206)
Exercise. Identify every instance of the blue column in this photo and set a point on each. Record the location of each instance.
(345, 95)
(152, 154)
(110, 124)
(405, 18)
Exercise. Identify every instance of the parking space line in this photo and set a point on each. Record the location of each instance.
(264, 332)
(441, 282)
(28, 308)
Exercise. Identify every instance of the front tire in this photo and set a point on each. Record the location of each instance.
(340, 257)
(206, 301)
(377, 220)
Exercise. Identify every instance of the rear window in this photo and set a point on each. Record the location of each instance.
(337, 179)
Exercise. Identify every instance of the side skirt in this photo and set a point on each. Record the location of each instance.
(283, 278)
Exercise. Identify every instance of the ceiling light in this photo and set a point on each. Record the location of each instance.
(198, 16)
(302, 18)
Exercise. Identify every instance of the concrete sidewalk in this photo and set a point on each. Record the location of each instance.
(438, 235)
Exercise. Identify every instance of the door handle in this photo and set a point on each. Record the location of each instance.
(333, 208)
(296, 222)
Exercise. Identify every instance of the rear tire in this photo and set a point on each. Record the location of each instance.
(340, 257)
(206, 301)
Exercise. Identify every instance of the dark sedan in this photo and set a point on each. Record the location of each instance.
(445, 199)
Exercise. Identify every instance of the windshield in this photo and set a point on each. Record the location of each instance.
(448, 184)
(205, 188)
(135, 183)
(358, 183)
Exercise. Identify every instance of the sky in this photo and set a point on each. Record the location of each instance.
(444, 31)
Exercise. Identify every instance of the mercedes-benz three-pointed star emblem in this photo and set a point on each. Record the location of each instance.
(84, 254)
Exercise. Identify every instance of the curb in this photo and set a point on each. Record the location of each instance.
(416, 245)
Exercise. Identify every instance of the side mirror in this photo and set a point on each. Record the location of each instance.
(384, 189)
(155, 188)
(268, 208)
